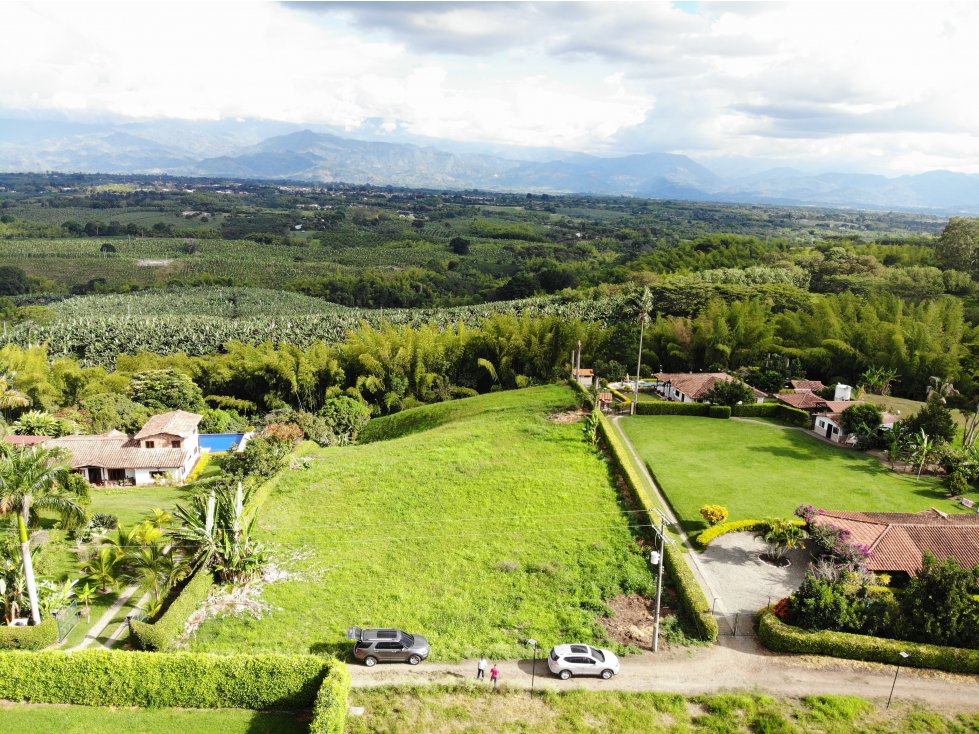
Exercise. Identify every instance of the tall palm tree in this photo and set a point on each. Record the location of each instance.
(642, 306)
(33, 479)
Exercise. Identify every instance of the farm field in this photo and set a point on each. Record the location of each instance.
(50, 719)
(441, 710)
(478, 523)
(759, 470)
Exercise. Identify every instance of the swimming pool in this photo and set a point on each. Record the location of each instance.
(217, 442)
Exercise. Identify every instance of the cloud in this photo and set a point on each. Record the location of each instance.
(890, 84)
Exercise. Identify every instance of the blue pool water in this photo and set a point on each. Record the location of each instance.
(220, 441)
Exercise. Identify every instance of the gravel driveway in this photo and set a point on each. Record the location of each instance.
(743, 582)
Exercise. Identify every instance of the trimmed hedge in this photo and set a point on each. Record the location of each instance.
(330, 707)
(670, 408)
(735, 526)
(36, 637)
(793, 416)
(689, 594)
(152, 679)
(162, 633)
(586, 394)
(781, 637)
(719, 411)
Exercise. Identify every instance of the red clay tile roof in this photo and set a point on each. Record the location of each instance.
(838, 406)
(898, 539)
(697, 384)
(810, 385)
(804, 400)
(177, 423)
(605, 397)
(586, 372)
(115, 450)
(25, 440)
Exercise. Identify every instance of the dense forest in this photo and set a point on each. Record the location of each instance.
(279, 295)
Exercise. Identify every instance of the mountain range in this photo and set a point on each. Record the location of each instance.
(271, 150)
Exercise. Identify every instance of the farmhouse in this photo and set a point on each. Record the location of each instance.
(692, 387)
(585, 377)
(897, 540)
(169, 444)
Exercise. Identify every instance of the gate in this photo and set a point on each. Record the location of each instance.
(67, 617)
(740, 624)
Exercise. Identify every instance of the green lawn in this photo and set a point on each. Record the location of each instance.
(479, 710)
(478, 523)
(47, 719)
(758, 470)
(131, 504)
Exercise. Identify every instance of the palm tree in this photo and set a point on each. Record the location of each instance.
(30, 480)
(940, 390)
(86, 595)
(642, 306)
(921, 447)
(9, 397)
(103, 569)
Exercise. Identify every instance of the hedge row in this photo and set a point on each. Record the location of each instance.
(780, 637)
(669, 408)
(735, 526)
(162, 633)
(719, 411)
(36, 637)
(588, 398)
(689, 594)
(330, 707)
(152, 679)
(786, 413)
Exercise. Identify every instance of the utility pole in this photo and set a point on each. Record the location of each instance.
(657, 558)
(577, 364)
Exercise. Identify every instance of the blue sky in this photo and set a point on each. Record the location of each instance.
(885, 87)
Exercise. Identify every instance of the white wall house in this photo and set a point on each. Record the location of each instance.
(168, 446)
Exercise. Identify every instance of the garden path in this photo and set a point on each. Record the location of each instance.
(99, 627)
(735, 664)
(121, 630)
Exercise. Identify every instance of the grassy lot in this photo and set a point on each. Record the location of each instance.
(758, 471)
(440, 710)
(906, 407)
(478, 523)
(131, 504)
(47, 719)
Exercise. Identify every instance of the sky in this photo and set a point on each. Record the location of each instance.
(881, 87)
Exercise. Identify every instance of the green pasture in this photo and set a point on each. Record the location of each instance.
(760, 470)
(478, 523)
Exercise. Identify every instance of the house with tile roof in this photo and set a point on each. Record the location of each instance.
(692, 387)
(810, 385)
(167, 446)
(897, 540)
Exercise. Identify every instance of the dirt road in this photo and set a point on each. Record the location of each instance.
(735, 664)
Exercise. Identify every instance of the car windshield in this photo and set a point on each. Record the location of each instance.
(406, 639)
(597, 654)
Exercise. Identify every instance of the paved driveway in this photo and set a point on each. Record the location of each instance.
(744, 583)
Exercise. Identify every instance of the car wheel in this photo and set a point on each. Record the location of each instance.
(414, 660)
(564, 674)
(606, 674)
(370, 661)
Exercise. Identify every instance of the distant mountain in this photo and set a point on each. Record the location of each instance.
(275, 150)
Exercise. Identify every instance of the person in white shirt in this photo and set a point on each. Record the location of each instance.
(481, 668)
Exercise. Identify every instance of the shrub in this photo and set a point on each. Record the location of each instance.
(690, 596)
(719, 411)
(144, 679)
(669, 408)
(862, 419)
(161, 634)
(730, 393)
(346, 417)
(780, 637)
(330, 707)
(755, 410)
(36, 637)
(735, 526)
(938, 607)
(714, 514)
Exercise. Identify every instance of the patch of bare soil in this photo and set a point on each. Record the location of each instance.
(153, 263)
(571, 416)
(632, 621)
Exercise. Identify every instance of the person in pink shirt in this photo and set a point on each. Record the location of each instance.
(494, 675)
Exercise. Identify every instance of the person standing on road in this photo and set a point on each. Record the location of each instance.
(494, 675)
(481, 668)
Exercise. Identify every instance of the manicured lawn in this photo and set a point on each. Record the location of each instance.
(478, 523)
(131, 504)
(759, 471)
(42, 719)
(479, 710)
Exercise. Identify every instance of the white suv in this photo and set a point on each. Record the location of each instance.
(567, 660)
